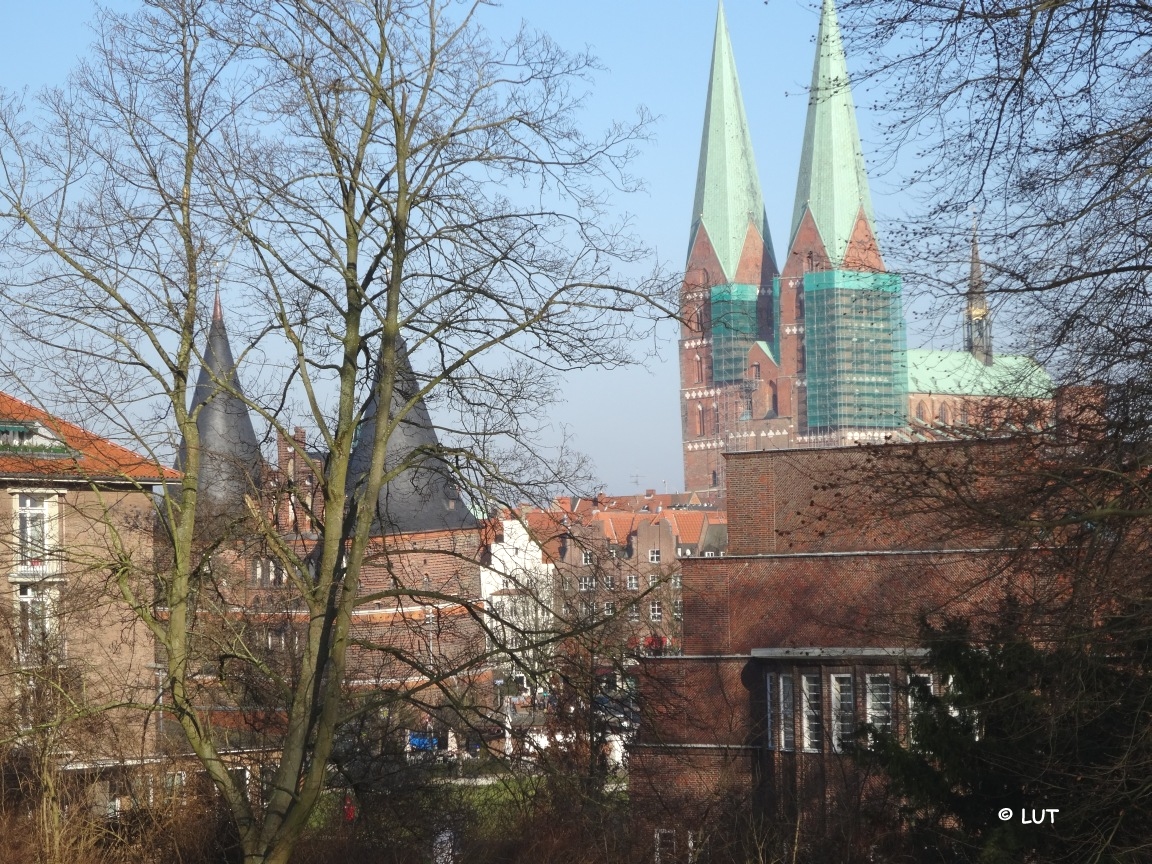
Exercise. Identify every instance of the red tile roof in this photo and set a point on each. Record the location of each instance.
(90, 458)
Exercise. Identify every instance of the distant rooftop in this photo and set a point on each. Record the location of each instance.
(959, 373)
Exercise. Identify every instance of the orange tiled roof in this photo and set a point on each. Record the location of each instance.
(90, 458)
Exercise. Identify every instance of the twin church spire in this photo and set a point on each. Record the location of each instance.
(832, 184)
(729, 204)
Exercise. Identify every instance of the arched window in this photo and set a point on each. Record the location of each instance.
(945, 415)
(699, 419)
(716, 418)
(772, 405)
(755, 371)
(715, 479)
(921, 411)
(699, 369)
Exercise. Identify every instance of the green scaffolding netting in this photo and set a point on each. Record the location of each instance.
(855, 350)
(733, 310)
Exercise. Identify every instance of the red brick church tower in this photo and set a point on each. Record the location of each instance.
(814, 355)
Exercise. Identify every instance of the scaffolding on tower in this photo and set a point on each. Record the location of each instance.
(856, 355)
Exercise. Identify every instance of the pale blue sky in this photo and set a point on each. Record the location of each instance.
(657, 54)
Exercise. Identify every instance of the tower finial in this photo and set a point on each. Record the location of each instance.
(217, 309)
(977, 320)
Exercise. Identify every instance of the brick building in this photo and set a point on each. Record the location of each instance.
(808, 626)
(809, 349)
(78, 515)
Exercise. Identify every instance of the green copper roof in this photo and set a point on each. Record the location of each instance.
(728, 193)
(958, 373)
(832, 183)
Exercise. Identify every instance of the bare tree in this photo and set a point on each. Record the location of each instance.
(1033, 116)
(361, 180)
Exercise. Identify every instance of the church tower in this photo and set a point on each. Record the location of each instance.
(230, 461)
(843, 373)
(726, 300)
(977, 318)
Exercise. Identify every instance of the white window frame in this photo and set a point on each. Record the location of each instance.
(787, 714)
(653, 556)
(609, 582)
(770, 698)
(609, 608)
(586, 557)
(878, 692)
(678, 609)
(843, 697)
(48, 508)
(586, 582)
(812, 719)
(655, 611)
(633, 612)
(676, 581)
(633, 581)
(914, 708)
(38, 634)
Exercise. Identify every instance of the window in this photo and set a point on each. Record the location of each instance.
(919, 686)
(633, 581)
(655, 611)
(609, 582)
(770, 696)
(756, 371)
(843, 712)
(267, 573)
(588, 609)
(609, 608)
(813, 719)
(32, 530)
(36, 640)
(699, 419)
(675, 580)
(921, 411)
(586, 558)
(787, 714)
(880, 702)
(587, 583)
(653, 556)
(716, 418)
(653, 580)
(633, 612)
(699, 369)
(945, 415)
(678, 609)
(709, 554)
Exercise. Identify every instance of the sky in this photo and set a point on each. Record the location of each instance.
(656, 53)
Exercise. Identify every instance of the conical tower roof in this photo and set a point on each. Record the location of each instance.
(230, 461)
(728, 195)
(833, 184)
(423, 496)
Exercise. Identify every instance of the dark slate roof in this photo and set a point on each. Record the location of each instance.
(230, 461)
(423, 496)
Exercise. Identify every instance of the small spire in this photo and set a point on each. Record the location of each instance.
(422, 493)
(230, 460)
(217, 309)
(728, 195)
(833, 184)
(977, 320)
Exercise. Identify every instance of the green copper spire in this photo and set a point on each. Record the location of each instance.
(833, 184)
(728, 193)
